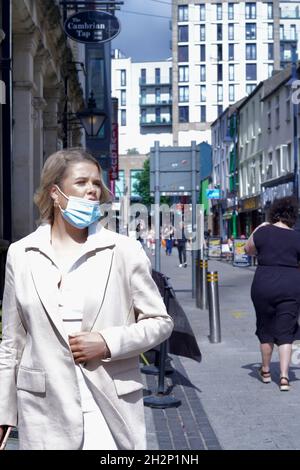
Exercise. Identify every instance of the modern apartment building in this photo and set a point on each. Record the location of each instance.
(144, 91)
(221, 51)
(289, 11)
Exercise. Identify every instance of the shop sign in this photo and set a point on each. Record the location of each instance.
(214, 248)
(92, 26)
(240, 258)
(114, 171)
(250, 204)
(213, 193)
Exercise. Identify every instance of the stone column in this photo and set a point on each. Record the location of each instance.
(39, 105)
(25, 46)
(52, 97)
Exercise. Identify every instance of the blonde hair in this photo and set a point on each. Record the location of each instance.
(54, 171)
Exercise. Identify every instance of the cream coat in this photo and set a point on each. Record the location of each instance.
(38, 386)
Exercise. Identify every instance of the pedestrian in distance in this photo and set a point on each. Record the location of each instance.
(275, 289)
(180, 242)
(79, 308)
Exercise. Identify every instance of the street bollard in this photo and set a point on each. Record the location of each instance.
(201, 291)
(213, 307)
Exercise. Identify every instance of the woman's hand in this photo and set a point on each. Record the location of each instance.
(88, 345)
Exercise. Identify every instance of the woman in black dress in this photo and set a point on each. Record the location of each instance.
(275, 289)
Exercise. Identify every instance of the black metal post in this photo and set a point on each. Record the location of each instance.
(160, 399)
(7, 120)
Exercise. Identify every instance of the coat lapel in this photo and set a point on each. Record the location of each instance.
(46, 277)
(98, 268)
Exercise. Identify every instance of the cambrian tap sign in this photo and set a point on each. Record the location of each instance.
(92, 26)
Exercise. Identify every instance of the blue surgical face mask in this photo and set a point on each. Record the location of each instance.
(80, 212)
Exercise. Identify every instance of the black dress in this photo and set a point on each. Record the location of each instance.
(275, 290)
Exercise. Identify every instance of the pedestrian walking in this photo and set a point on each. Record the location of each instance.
(180, 242)
(79, 307)
(168, 235)
(275, 289)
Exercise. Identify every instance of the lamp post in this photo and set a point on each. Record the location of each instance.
(92, 118)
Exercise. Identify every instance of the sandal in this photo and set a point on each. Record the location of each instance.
(265, 376)
(284, 387)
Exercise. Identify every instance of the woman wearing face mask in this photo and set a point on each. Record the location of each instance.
(79, 307)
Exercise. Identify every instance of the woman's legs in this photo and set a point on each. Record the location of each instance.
(285, 352)
(266, 350)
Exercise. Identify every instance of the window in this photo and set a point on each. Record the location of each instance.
(123, 97)
(203, 93)
(293, 32)
(157, 75)
(143, 115)
(281, 34)
(183, 33)
(231, 93)
(157, 114)
(183, 113)
(270, 31)
(270, 11)
(202, 113)
(143, 96)
(277, 114)
(220, 92)
(183, 94)
(249, 88)
(157, 95)
(123, 77)
(202, 12)
(220, 52)
(143, 76)
(250, 51)
(271, 51)
(134, 179)
(270, 70)
(183, 73)
(183, 53)
(202, 32)
(250, 31)
(251, 11)
(123, 117)
(219, 11)
(219, 72)
(231, 72)
(230, 51)
(120, 184)
(183, 13)
(231, 11)
(202, 73)
(202, 53)
(219, 32)
(250, 71)
(231, 32)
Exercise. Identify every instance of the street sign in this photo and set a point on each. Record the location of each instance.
(213, 193)
(92, 26)
(175, 170)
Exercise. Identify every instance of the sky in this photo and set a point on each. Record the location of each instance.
(144, 37)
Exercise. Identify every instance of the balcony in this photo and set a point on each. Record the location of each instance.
(290, 13)
(288, 36)
(152, 82)
(155, 103)
(158, 122)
